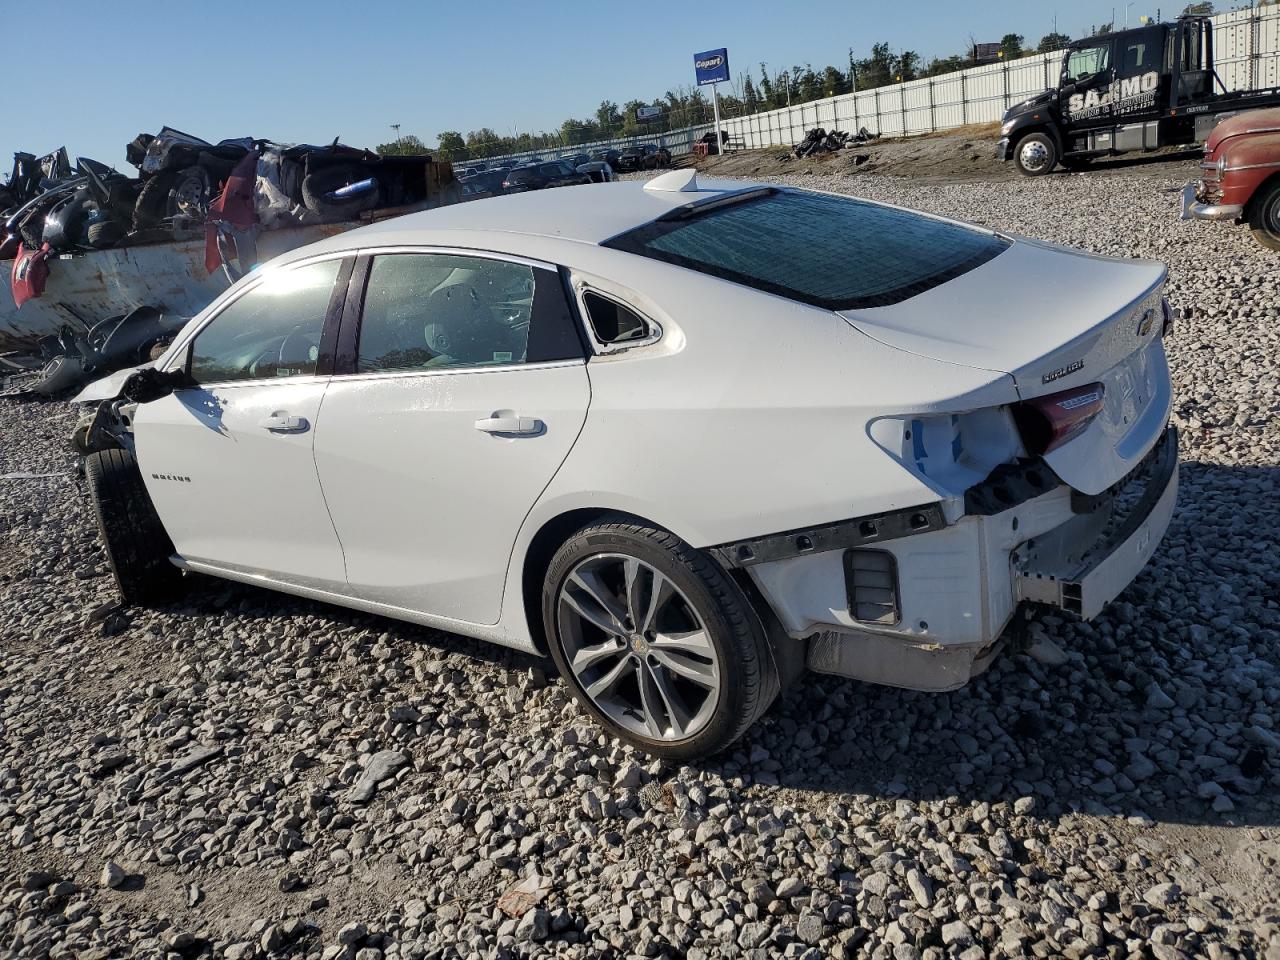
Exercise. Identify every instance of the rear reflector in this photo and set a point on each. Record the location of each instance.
(871, 581)
(1048, 422)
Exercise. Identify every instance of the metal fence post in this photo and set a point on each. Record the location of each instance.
(933, 120)
(1004, 104)
(876, 91)
(964, 102)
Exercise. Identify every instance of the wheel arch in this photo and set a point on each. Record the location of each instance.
(543, 546)
(1255, 198)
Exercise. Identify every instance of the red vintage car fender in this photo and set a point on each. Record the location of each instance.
(1251, 159)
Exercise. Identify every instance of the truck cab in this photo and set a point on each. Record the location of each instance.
(1130, 90)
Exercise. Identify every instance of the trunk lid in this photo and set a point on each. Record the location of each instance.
(1052, 318)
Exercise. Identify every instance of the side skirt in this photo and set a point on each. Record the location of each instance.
(493, 633)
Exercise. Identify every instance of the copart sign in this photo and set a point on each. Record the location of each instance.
(1127, 95)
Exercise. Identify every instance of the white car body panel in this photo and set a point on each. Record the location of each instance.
(751, 415)
(426, 505)
(248, 498)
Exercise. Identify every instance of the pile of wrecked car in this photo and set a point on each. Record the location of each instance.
(228, 194)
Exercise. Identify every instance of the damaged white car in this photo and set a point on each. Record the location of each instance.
(688, 439)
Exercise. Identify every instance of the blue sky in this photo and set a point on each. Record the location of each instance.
(310, 71)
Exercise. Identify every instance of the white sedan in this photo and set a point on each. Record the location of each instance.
(689, 439)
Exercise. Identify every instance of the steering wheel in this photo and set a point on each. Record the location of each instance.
(294, 335)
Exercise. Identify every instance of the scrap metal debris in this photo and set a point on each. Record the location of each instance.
(819, 140)
(525, 895)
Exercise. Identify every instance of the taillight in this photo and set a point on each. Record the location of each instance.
(1048, 422)
(1166, 328)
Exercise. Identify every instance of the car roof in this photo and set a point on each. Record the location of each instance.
(589, 213)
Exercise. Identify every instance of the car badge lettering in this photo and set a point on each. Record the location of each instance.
(170, 476)
(1061, 372)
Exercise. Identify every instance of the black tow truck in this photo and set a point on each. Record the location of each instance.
(1140, 89)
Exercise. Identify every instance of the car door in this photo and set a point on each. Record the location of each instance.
(1086, 85)
(1141, 81)
(228, 460)
(461, 387)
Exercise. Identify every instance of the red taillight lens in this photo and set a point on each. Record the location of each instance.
(1048, 422)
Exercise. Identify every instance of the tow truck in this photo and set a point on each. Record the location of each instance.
(1142, 89)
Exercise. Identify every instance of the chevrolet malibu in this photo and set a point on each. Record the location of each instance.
(689, 439)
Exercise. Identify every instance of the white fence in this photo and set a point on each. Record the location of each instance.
(1246, 48)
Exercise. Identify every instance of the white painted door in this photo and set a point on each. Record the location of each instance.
(229, 464)
(432, 452)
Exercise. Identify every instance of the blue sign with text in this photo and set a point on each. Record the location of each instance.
(712, 66)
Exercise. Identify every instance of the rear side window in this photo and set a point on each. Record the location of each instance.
(832, 252)
(613, 323)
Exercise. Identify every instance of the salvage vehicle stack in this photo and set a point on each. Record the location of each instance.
(222, 207)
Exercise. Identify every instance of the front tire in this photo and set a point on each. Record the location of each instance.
(655, 640)
(1035, 155)
(137, 546)
(1264, 216)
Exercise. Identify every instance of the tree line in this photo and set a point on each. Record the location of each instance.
(750, 92)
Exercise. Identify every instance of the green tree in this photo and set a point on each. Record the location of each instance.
(607, 116)
(906, 66)
(834, 82)
(1052, 41)
(407, 145)
(766, 88)
(1011, 46)
(941, 65)
(750, 98)
(452, 146)
(878, 69)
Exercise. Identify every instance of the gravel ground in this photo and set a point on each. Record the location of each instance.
(243, 774)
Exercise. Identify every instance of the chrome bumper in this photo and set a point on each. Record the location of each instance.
(1193, 209)
(1086, 585)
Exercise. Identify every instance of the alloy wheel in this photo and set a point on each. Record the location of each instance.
(637, 647)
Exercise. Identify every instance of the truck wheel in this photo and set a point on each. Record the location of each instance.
(152, 204)
(1035, 155)
(136, 543)
(1264, 216)
(655, 640)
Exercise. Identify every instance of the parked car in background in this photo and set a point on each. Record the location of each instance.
(564, 423)
(598, 170)
(605, 156)
(484, 183)
(576, 159)
(1240, 176)
(539, 176)
(643, 156)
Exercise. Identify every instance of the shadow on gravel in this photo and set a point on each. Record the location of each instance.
(1135, 161)
(1156, 712)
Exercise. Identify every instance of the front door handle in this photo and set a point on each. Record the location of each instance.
(282, 422)
(504, 422)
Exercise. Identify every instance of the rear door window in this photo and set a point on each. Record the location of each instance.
(430, 311)
(828, 251)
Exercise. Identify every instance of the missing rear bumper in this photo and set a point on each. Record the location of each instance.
(1049, 573)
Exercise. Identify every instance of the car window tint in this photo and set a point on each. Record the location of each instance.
(612, 322)
(272, 331)
(424, 311)
(829, 251)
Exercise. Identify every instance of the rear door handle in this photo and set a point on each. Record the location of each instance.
(509, 424)
(282, 422)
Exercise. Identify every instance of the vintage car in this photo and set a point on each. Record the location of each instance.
(1241, 176)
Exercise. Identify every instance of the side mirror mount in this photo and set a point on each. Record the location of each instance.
(149, 384)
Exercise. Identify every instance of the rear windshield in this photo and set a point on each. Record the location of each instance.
(832, 252)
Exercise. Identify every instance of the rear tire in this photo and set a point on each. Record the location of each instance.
(1264, 215)
(1035, 155)
(137, 546)
(704, 628)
